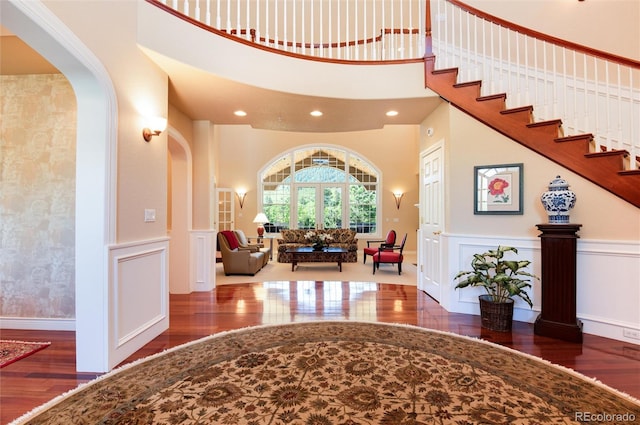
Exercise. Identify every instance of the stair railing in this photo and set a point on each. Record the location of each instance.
(590, 91)
(353, 30)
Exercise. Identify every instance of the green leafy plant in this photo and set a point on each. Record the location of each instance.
(501, 278)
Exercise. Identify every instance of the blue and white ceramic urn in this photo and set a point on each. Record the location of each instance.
(558, 200)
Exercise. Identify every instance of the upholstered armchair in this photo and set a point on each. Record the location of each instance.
(236, 260)
(244, 243)
(374, 245)
(392, 255)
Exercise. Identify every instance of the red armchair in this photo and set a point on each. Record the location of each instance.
(389, 242)
(389, 255)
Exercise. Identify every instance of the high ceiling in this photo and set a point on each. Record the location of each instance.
(204, 96)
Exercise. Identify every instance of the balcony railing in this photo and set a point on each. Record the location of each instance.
(354, 30)
(591, 91)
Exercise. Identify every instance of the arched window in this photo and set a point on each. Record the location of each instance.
(320, 187)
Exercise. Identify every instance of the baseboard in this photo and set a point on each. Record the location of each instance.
(37, 324)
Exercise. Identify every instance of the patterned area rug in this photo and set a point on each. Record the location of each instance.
(12, 351)
(323, 373)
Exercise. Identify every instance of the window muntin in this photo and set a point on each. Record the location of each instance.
(346, 184)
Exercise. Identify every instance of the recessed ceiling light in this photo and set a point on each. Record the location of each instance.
(240, 113)
(316, 113)
(392, 113)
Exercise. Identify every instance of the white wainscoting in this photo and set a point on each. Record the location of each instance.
(203, 260)
(138, 295)
(608, 287)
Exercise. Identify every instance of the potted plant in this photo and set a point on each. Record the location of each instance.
(503, 280)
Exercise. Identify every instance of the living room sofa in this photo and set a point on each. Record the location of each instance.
(343, 238)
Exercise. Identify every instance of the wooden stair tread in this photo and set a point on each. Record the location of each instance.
(605, 169)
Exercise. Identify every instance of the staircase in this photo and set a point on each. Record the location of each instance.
(576, 153)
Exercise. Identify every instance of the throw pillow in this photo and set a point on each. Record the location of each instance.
(231, 239)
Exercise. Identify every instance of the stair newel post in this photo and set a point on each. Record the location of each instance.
(557, 318)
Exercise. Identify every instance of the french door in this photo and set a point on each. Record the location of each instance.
(319, 206)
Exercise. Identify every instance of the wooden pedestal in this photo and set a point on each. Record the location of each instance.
(558, 316)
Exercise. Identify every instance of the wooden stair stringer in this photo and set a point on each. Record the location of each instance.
(606, 171)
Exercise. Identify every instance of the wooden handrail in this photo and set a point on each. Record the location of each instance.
(252, 43)
(545, 37)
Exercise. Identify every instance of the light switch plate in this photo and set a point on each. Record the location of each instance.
(149, 215)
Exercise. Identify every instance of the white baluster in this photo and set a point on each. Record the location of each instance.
(218, 21)
(248, 21)
(402, 41)
(565, 96)
(596, 98)
(197, 11)
(545, 101)
(207, 18)
(304, 47)
(586, 94)
(575, 91)
(286, 27)
(228, 27)
(619, 114)
(554, 73)
(276, 30)
(607, 82)
(266, 24)
(383, 41)
(322, 50)
(238, 26)
(411, 52)
(347, 52)
(373, 30)
(258, 21)
(355, 31)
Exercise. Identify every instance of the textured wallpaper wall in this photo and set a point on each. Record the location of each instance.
(37, 196)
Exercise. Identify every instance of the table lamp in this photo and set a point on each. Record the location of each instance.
(261, 218)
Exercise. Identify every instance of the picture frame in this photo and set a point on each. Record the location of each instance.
(498, 189)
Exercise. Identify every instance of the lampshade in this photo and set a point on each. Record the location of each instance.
(261, 218)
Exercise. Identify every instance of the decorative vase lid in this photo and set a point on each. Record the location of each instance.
(558, 184)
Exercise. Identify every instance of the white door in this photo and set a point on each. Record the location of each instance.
(431, 221)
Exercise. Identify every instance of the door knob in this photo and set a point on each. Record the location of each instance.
(437, 232)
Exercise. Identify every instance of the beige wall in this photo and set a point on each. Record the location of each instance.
(469, 143)
(243, 151)
(142, 91)
(37, 196)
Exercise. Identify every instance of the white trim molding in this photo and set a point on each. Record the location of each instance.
(203, 260)
(138, 295)
(607, 281)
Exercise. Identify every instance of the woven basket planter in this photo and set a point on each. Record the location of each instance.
(496, 316)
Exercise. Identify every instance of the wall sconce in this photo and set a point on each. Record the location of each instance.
(398, 195)
(156, 126)
(241, 194)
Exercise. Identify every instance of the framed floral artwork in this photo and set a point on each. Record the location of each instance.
(497, 189)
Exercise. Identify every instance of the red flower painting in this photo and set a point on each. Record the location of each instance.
(497, 189)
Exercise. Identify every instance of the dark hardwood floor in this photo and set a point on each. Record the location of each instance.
(51, 372)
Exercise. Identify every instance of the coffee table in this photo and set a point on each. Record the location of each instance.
(307, 254)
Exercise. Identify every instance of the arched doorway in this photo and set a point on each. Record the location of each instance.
(179, 201)
(95, 183)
